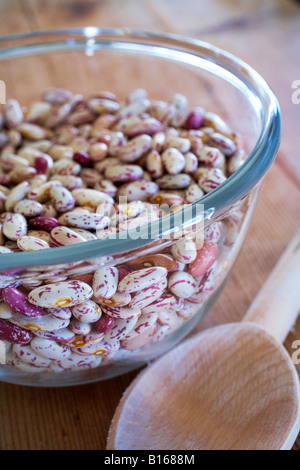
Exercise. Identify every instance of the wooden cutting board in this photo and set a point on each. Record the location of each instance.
(266, 35)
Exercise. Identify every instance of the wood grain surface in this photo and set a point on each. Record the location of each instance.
(266, 35)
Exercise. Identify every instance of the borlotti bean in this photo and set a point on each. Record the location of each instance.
(76, 170)
(60, 294)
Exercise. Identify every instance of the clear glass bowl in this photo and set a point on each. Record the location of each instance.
(122, 60)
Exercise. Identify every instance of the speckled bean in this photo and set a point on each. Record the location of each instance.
(182, 284)
(135, 148)
(138, 280)
(105, 282)
(138, 190)
(120, 329)
(60, 294)
(104, 324)
(77, 362)
(226, 145)
(14, 226)
(26, 354)
(17, 194)
(28, 208)
(193, 193)
(124, 313)
(63, 335)
(146, 296)
(123, 173)
(13, 333)
(84, 220)
(210, 179)
(43, 323)
(62, 236)
(62, 199)
(173, 160)
(160, 259)
(179, 181)
(90, 197)
(184, 251)
(12, 113)
(206, 256)
(166, 301)
(18, 301)
(43, 223)
(87, 311)
(49, 349)
(29, 243)
(144, 323)
(141, 339)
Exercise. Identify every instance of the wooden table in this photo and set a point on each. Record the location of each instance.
(266, 35)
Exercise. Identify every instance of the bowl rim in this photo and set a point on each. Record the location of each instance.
(227, 194)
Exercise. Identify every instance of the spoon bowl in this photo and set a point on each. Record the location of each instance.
(230, 387)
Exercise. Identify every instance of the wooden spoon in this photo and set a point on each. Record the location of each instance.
(233, 386)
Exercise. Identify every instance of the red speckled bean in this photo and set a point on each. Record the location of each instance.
(104, 324)
(87, 311)
(13, 333)
(60, 294)
(44, 223)
(105, 282)
(135, 148)
(18, 301)
(124, 313)
(14, 226)
(146, 296)
(61, 236)
(182, 284)
(205, 259)
(141, 279)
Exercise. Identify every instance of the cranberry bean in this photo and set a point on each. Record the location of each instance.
(12, 113)
(26, 354)
(60, 294)
(210, 156)
(123, 173)
(84, 220)
(63, 335)
(146, 296)
(29, 243)
(184, 251)
(13, 333)
(166, 301)
(104, 324)
(135, 148)
(57, 95)
(210, 179)
(14, 226)
(28, 208)
(141, 339)
(120, 329)
(17, 194)
(226, 145)
(205, 259)
(124, 313)
(141, 279)
(138, 190)
(182, 284)
(44, 223)
(87, 311)
(105, 282)
(49, 349)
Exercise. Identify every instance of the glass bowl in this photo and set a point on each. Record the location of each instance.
(86, 61)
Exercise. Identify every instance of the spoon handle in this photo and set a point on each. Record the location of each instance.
(277, 305)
